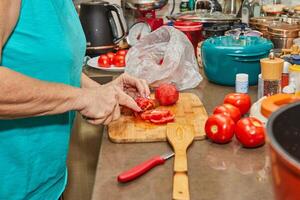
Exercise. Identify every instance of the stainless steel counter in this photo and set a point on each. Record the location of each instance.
(216, 172)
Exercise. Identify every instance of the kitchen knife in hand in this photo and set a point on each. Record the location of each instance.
(142, 168)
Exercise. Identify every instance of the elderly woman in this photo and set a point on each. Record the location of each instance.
(41, 86)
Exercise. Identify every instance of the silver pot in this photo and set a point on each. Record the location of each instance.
(146, 5)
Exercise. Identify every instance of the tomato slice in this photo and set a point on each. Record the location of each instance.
(145, 103)
(163, 120)
(158, 116)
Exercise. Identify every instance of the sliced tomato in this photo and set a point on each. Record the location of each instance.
(163, 120)
(145, 103)
(158, 116)
(146, 115)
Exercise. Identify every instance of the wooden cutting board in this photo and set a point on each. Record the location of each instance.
(189, 110)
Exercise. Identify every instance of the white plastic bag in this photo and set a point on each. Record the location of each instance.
(164, 56)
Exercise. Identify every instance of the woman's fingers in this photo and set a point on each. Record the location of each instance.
(139, 84)
(126, 100)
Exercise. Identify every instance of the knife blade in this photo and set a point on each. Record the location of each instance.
(144, 167)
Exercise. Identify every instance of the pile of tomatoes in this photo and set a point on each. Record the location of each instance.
(165, 95)
(227, 121)
(113, 59)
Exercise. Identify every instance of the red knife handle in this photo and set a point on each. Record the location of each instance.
(140, 169)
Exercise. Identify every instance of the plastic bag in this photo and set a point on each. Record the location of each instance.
(164, 56)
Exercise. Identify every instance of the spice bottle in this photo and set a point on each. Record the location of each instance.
(260, 87)
(285, 75)
(271, 70)
(241, 83)
(184, 6)
(295, 78)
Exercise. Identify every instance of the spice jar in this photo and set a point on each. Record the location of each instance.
(271, 70)
(295, 77)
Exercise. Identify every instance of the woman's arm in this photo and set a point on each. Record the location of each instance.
(23, 96)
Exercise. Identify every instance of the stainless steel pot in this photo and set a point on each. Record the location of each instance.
(146, 5)
(214, 23)
(283, 34)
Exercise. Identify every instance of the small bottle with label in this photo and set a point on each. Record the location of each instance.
(184, 6)
(285, 75)
(241, 83)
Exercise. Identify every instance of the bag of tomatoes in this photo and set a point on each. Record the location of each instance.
(164, 56)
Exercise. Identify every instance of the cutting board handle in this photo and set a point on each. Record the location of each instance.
(180, 162)
(181, 186)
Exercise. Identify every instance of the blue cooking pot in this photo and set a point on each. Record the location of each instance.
(225, 56)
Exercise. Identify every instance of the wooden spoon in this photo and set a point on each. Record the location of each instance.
(180, 137)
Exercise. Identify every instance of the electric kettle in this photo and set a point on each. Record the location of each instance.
(100, 26)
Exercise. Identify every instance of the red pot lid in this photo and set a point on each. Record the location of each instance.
(188, 26)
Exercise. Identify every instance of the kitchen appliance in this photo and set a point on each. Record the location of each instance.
(283, 130)
(180, 137)
(145, 11)
(283, 34)
(188, 110)
(239, 55)
(144, 167)
(100, 26)
(214, 23)
(137, 32)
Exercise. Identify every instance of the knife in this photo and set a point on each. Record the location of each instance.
(144, 167)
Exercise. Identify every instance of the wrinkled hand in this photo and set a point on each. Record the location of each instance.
(132, 86)
(101, 105)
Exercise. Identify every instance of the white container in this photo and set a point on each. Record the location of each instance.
(241, 83)
(260, 87)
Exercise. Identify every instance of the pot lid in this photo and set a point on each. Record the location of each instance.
(284, 30)
(246, 32)
(204, 16)
(242, 43)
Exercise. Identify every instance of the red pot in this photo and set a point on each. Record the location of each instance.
(193, 31)
(283, 130)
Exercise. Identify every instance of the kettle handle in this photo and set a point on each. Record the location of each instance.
(117, 9)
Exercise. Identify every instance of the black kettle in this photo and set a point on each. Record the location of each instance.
(100, 27)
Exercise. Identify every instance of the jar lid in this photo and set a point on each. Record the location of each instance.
(294, 68)
(271, 68)
(188, 26)
(242, 77)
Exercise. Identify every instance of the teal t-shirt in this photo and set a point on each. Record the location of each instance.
(48, 44)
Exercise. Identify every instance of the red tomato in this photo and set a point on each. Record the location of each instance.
(219, 128)
(122, 52)
(250, 132)
(241, 101)
(158, 116)
(111, 57)
(103, 61)
(145, 103)
(119, 61)
(229, 110)
(166, 94)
